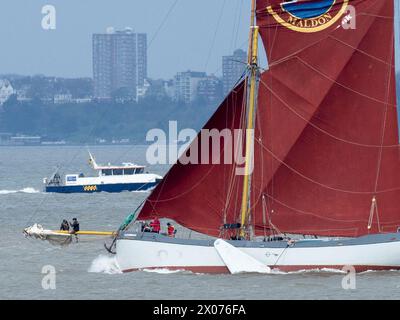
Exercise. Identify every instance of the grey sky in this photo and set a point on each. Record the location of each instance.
(183, 43)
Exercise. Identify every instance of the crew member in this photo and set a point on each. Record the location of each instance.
(75, 227)
(155, 225)
(64, 225)
(146, 227)
(171, 230)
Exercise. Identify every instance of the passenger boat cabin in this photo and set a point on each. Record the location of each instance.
(126, 170)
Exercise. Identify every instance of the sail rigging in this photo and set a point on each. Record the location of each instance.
(326, 131)
(202, 196)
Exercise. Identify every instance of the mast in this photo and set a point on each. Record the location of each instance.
(252, 84)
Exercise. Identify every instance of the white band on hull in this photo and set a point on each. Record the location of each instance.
(136, 254)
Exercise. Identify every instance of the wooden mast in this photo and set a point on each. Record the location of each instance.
(252, 84)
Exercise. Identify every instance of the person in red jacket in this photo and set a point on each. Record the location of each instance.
(155, 225)
(171, 230)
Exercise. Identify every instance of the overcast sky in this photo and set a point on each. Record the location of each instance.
(184, 42)
(195, 35)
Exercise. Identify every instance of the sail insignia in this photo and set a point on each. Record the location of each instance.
(308, 16)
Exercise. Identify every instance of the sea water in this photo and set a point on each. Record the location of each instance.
(84, 270)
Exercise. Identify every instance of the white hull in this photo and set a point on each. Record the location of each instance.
(145, 253)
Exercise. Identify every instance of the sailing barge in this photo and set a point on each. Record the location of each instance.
(324, 160)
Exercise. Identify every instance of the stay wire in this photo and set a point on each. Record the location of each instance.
(215, 35)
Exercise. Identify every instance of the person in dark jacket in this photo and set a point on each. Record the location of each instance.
(146, 227)
(75, 227)
(64, 225)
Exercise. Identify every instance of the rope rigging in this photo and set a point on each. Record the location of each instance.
(374, 207)
(163, 22)
(215, 35)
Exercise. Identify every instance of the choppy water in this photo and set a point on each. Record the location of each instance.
(85, 270)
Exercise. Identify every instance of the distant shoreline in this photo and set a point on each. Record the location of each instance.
(84, 145)
(72, 145)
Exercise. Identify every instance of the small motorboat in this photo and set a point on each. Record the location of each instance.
(127, 177)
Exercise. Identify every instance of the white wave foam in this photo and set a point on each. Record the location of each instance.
(105, 264)
(29, 190)
(24, 190)
(163, 271)
(380, 271)
(316, 270)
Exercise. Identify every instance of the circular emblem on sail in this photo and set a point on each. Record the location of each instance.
(312, 16)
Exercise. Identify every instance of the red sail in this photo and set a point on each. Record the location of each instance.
(202, 197)
(327, 140)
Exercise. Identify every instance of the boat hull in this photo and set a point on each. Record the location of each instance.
(112, 188)
(142, 251)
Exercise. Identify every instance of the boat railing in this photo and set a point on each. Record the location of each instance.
(181, 232)
(188, 234)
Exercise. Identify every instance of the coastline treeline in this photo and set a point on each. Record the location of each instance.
(87, 122)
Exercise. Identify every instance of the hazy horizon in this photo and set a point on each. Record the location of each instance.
(193, 37)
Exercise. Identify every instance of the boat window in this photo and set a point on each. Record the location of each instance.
(139, 170)
(129, 171)
(107, 172)
(117, 172)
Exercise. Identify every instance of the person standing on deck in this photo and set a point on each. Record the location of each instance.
(171, 230)
(155, 225)
(75, 227)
